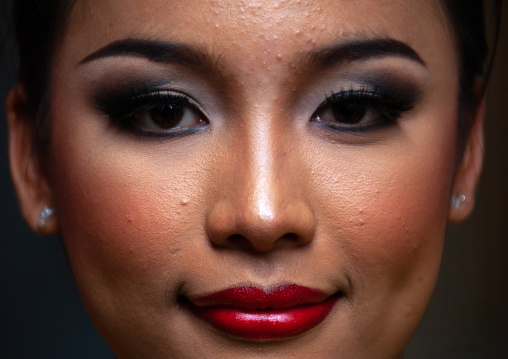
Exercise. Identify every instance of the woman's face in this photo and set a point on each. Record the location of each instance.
(200, 149)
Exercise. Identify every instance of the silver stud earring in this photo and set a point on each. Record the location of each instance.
(46, 214)
(457, 200)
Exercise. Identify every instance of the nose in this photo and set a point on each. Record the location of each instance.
(262, 201)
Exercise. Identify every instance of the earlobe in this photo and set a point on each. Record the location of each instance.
(463, 195)
(31, 185)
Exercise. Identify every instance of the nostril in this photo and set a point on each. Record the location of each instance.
(290, 238)
(237, 241)
(293, 237)
(240, 242)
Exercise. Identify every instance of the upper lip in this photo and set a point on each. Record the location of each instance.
(252, 298)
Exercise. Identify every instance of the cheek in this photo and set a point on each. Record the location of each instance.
(399, 225)
(127, 216)
(383, 214)
(388, 207)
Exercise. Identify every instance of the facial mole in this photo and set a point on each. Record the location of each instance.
(184, 202)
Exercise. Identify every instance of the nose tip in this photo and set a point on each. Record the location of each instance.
(261, 189)
(260, 228)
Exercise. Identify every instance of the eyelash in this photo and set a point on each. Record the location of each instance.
(355, 107)
(358, 104)
(128, 108)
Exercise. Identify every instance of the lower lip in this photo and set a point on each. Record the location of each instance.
(266, 324)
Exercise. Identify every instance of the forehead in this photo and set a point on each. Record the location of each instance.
(236, 28)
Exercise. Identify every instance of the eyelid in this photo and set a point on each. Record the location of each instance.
(374, 92)
(120, 106)
(117, 103)
(147, 100)
(389, 104)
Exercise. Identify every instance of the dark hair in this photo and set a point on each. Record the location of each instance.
(39, 25)
(467, 22)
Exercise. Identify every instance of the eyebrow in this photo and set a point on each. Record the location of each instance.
(192, 56)
(157, 51)
(360, 50)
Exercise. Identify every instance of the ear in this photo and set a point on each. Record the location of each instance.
(31, 186)
(469, 171)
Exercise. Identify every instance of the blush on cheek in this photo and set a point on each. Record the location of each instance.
(117, 222)
(390, 211)
(402, 229)
(389, 233)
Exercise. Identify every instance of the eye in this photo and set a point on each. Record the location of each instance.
(169, 116)
(356, 111)
(152, 113)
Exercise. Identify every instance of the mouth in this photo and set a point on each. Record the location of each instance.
(253, 314)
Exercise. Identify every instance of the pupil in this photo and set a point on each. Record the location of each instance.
(167, 116)
(349, 113)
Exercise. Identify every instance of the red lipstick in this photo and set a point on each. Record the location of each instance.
(251, 313)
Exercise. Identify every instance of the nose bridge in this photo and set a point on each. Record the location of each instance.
(259, 178)
(263, 169)
(262, 209)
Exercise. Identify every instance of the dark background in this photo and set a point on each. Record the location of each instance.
(41, 314)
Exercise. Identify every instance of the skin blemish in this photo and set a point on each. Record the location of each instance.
(176, 250)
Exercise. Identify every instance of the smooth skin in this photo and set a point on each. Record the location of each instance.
(262, 195)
